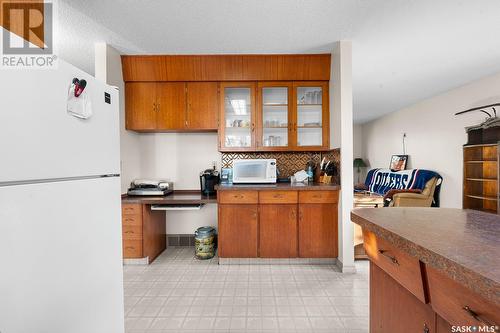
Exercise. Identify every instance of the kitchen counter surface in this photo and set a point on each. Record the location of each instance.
(176, 198)
(462, 244)
(279, 186)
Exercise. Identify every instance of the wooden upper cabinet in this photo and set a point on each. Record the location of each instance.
(171, 107)
(261, 67)
(237, 116)
(140, 106)
(274, 129)
(311, 116)
(202, 105)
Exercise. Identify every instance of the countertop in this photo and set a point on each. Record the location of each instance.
(176, 198)
(462, 244)
(279, 186)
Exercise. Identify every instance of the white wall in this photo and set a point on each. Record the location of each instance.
(434, 135)
(342, 136)
(180, 157)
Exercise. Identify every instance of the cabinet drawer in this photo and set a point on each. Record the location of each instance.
(318, 196)
(131, 209)
(278, 197)
(399, 265)
(238, 197)
(459, 305)
(132, 249)
(132, 232)
(132, 220)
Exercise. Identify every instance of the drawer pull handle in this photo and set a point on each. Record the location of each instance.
(317, 196)
(130, 248)
(238, 196)
(129, 232)
(391, 258)
(474, 315)
(426, 328)
(278, 196)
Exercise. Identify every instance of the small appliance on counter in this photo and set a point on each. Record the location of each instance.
(254, 171)
(208, 179)
(147, 187)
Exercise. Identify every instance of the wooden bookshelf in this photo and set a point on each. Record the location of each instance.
(481, 170)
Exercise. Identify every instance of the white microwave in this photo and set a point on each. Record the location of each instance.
(254, 171)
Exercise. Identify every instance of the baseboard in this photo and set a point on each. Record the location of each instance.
(136, 261)
(348, 269)
(277, 261)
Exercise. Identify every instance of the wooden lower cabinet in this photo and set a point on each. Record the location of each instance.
(238, 227)
(318, 230)
(277, 224)
(143, 232)
(278, 231)
(442, 326)
(393, 309)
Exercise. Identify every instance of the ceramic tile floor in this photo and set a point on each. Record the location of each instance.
(178, 293)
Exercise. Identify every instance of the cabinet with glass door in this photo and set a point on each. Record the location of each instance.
(311, 116)
(237, 118)
(274, 118)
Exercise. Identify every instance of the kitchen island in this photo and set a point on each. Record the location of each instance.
(263, 223)
(432, 269)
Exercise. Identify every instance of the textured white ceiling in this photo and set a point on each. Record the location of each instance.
(403, 50)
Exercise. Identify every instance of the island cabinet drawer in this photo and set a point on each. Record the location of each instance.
(459, 305)
(318, 196)
(132, 220)
(238, 197)
(131, 209)
(399, 265)
(132, 232)
(132, 248)
(278, 197)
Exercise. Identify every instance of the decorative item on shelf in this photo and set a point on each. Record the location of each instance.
(359, 163)
(327, 170)
(398, 162)
(486, 132)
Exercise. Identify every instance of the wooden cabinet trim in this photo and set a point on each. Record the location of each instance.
(240, 67)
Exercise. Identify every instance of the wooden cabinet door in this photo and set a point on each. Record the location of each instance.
(140, 106)
(171, 105)
(278, 231)
(442, 326)
(237, 116)
(318, 231)
(238, 231)
(311, 116)
(393, 309)
(274, 131)
(202, 105)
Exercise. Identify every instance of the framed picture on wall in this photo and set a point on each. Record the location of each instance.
(398, 162)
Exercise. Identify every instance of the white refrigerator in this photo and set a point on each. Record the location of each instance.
(60, 225)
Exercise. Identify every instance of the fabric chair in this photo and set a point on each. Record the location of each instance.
(423, 199)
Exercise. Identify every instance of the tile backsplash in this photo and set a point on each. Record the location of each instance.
(288, 162)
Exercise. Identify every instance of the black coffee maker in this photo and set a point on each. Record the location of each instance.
(208, 179)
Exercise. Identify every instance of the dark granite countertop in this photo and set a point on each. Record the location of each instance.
(462, 244)
(279, 186)
(176, 198)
